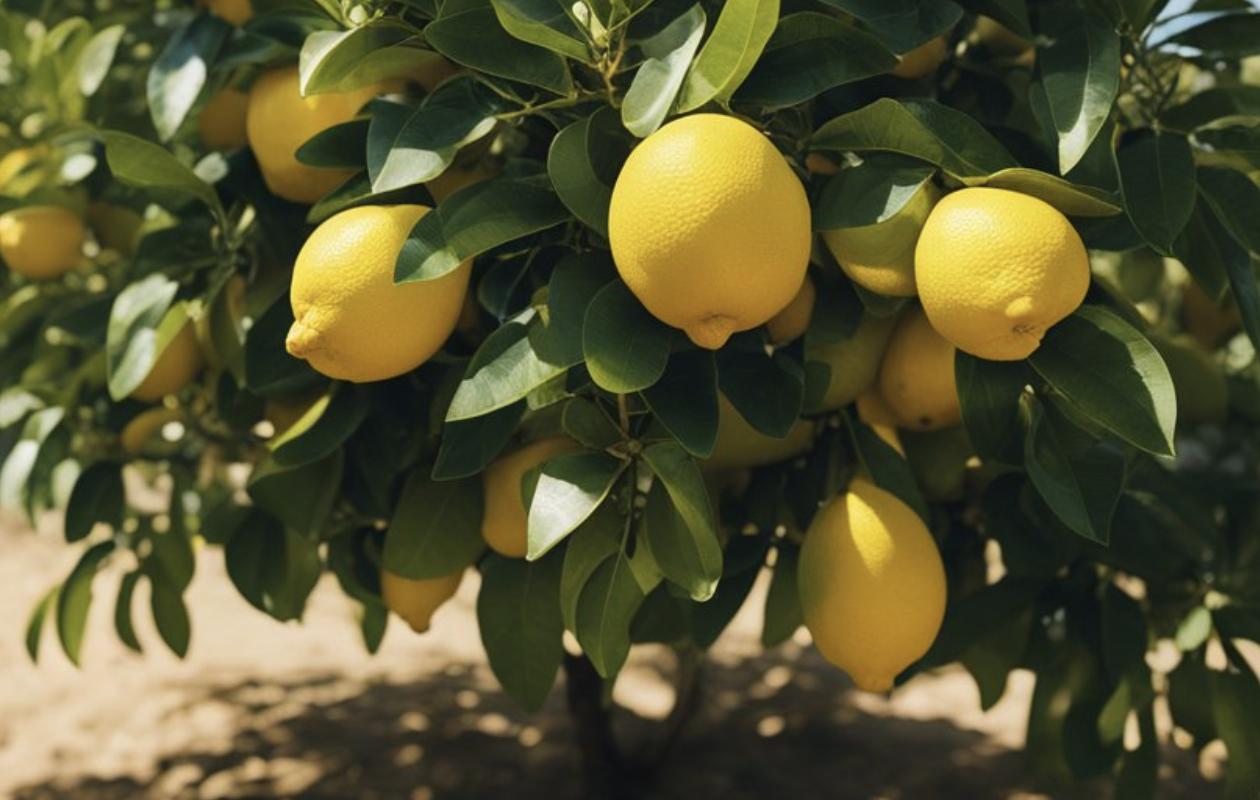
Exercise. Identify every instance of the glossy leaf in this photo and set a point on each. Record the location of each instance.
(509, 371)
(667, 58)
(903, 24)
(273, 568)
(170, 617)
(145, 165)
(74, 600)
(1230, 195)
(134, 339)
(518, 613)
(626, 348)
(577, 177)
(684, 400)
(123, 611)
(301, 496)
(342, 61)
(473, 37)
(179, 74)
(989, 393)
(690, 561)
(435, 529)
(98, 496)
(544, 23)
(1158, 177)
(767, 390)
(729, 53)
(570, 487)
(1069, 198)
(607, 605)
(1080, 70)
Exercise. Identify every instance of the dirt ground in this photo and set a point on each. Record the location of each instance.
(265, 710)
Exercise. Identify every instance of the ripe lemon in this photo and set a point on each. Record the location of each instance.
(916, 378)
(872, 586)
(791, 323)
(709, 227)
(457, 176)
(176, 367)
(222, 122)
(415, 601)
(503, 521)
(279, 121)
(1202, 392)
(854, 362)
(236, 12)
(996, 268)
(874, 411)
(922, 60)
(145, 429)
(880, 257)
(740, 445)
(1003, 42)
(41, 242)
(1210, 324)
(352, 322)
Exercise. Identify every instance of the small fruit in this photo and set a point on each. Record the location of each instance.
(740, 445)
(996, 269)
(922, 60)
(235, 12)
(709, 227)
(279, 120)
(916, 378)
(222, 122)
(41, 242)
(854, 362)
(1000, 40)
(880, 257)
(176, 367)
(1210, 324)
(503, 521)
(872, 585)
(415, 601)
(1202, 391)
(352, 322)
(791, 323)
(145, 428)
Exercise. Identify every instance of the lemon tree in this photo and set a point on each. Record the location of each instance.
(927, 327)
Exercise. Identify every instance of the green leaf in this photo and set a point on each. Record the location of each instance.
(570, 487)
(133, 342)
(179, 73)
(474, 38)
(435, 529)
(544, 23)
(887, 468)
(903, 24)
(321, 433)
(342, 61)
(1069, 198)
(626, 348)
(1235, 697)
(35, 623)
(122, 611)
(1213, 104)
(98, 496)
(692, 561)
(1205, 247)
(809, 54)
(1189, 685)
(684, 400)
(667, 56)
(145, 165)
(301, 496)
(505, 370)
(991, 660)
(170, 615)
(1124, 633)
(1236, 135)
(19, 476)
(981, 614)
(1237, 623)
(1115, 713)
(273, 568)
(586, 422)
(595, 541)
(97, 57)
(518, 613)
(1011, 13)
(743, 560)
(75, 599)
(870, 193)
(1224, 36)
(1139, 772)
(373, 619)
(1194, 630)
(1080, 70)
(989, 393)
(608, 603)
(921, 129)
(474, 220)
(581, 158)
(767, 390)
(1228, 194)
(1158, 177)
(574, 282)
(783, 605)
(728, 55)
(269, 369)
(468, 446)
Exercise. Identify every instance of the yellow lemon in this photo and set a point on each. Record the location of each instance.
(854, 362)
(457, 176)
(503, 521)
(1202, 391)
(709, 227)
(880, 257)
(872, 585)
(236, 12)
(116, 227)
(740, 445)
(41, 242)
(15, 162)
(922, 60)
(279, 121)
(1210, 324)
(874, 411)
(222, 122)
(997, 268)
(791, 323)
(352, 322)
(145, 428)
(1001, 41)
(176, 367)
(415, 601)
(916, 378)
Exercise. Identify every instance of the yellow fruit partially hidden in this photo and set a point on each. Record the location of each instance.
(874, 411)
(872, 585)
(709, 227)
(352, 322)
(15, 162)
(176, 367)
(146, 427)
(1202, 391)
(503, 521)
(415, 601)
(791, 323)
(279, 121)
(236, 12)
(916, 378)
(41, 242)
(1210, 324)
(880, 257)
(116, 227)
(457, 176)
(740, 445)
(938, 460)
(1000, 40)
(922, 60)
(996, 269)
(222, 122)
(854, 362)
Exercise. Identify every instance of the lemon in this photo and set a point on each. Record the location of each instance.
(15, 162)
(880, 257)
(176, 367)
(1001, 41)
(279, 121)
(791, 323)
(457, 176)
(740, 445)
(854, 362)
(996, 268)
(41, 242)
(222, 122)
(352, 322)
(415, 601)
(145, 429)
(916, 378)
(873, 409)
(236, 12)
(503, 521)
(709, 227)
(1210, 324)
(872, 585)
(116, 227)
(1201, 388)
(922, 60)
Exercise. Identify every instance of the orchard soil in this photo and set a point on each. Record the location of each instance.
(265, 710)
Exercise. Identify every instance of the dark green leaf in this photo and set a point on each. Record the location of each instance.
(273, 568)
(179, 74)
(122, 611)
(1189, 689)
(145, 165)
(743, 559)
(783, 605)
(1235, 697)
(684, 400)
(680, 525)
(1213, 104)
(1224, 36)
(468, 446)
(595, 541)
(1011, 13)
(301, 496)
(586, 422)
(1124, 634)
(574, 283)
(903, 24)
(35, 624)
(570, 487)
(544, 23)
(1205, 247)
(626, 348)
(579, 181)
(98, 496)
(887, 468)
(473, 36)
(608, 603)
(767, 390)
(75, 599)
(170, 615)
(132, 343)
(1230, 195)
(269, 369)
(667, 57)
(342, 61)
(870, 193)
(1069, 198)
(518, 612)
(306, 442)
(1158, 177)
(339, 147)
(506, 370)
(1237, 623)
(435, 529)
(989, 393)
(1080, 70)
